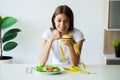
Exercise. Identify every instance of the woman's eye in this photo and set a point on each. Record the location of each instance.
(66, 21)
(59, 20)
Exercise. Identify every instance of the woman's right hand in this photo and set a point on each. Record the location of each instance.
(56, 35)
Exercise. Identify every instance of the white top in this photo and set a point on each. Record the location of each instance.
(55, 49)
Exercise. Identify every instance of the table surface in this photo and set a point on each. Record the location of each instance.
(23, 72)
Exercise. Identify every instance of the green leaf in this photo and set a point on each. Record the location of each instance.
(9, 37)
(0, 21)
(11, 34)
(116, 43)
(8, 22)
(9, 46)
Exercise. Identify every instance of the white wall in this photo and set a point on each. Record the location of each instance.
(34, 17)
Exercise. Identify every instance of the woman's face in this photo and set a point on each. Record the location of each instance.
(62, 23)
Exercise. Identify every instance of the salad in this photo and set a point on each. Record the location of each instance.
(47, 68)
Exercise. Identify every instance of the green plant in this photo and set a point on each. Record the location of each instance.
(116, 44)
(6, 39)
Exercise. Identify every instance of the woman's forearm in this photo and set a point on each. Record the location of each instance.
(73, 56)
(45, 51)
(47, 45)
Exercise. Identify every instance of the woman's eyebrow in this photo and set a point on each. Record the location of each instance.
(64, 19)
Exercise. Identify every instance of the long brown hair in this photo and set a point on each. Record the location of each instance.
(63, 9)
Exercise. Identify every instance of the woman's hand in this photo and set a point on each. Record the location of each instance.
(56, 35)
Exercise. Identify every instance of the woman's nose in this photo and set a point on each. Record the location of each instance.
(62, 23)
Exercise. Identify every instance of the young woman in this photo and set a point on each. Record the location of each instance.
(62, 23)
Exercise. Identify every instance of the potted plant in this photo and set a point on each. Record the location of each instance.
(6, 39)
(116, 45)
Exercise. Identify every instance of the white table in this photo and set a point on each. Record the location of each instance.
(18, 72)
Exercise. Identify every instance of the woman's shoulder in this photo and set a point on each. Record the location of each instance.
(47, 33)
(78, 35)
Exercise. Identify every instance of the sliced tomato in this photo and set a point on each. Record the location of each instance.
(50, 69)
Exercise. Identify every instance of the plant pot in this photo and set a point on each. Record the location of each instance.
(6, 60)
(117, 53)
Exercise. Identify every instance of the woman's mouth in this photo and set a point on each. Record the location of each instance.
(62, 28)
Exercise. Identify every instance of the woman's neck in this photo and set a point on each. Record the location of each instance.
(65, 33)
